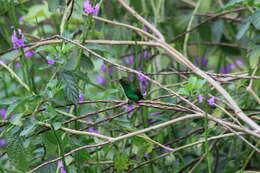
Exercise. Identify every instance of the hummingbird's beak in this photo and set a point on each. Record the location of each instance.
(115, 80)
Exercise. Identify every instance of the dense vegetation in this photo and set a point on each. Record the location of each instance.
(191, 98)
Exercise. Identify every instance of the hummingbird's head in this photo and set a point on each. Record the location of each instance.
(124, 81)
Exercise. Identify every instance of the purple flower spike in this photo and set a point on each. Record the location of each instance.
(200, 99)
(239, 62)
(147, 54)
(146, 155)
(61, 167)
(226, 69)
(101, 80)
(51, 62)
(3, 112)
(96, 9)
(17, 65)
(21, 20)
(2, 142)
(18, 39)
(203, 62)
(28, 54)
(129, 107)
(89, 9)
(81, 97)
(103, 68)
(92, 130)
(211, 101)
(129, 60)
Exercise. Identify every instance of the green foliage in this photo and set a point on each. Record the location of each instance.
(17, 153)
(71, 89)
(121, 161)
(70, 83)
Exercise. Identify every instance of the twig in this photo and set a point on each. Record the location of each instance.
(233, 19)
(217, 44)
(208, 20)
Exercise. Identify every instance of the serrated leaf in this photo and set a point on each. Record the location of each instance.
(243, 29)
(17, 153)
(86, 62)
(81, 75)
(121, 161)
(29, 127)
(71, 89)
(255, 19)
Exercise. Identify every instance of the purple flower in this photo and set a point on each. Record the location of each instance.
(28, 54)
(96, 9)
(92, 130)
(145, 29)
(226, 69)
(203, 62)
(211, 101)
(110, 70)
(2, 142)
(200, 99)
(129, 107)
(61, 167)
(147, 54)
(17, 65)
(129, 60)
(88, 8)
(21, 20)
(146, 154)
(239, 62)
(3, 112)
(18, 39)
(101, 80)
(103, 68)
(51, 62)
(81, 97)
(151, 120)
(143, 83)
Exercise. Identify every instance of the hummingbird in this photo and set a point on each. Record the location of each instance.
(132, 93)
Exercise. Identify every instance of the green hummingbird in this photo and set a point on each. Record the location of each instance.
(131, 92)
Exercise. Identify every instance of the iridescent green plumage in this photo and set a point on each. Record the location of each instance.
(131, 92)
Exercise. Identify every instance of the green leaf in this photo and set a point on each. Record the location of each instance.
(29, 126)
(243, 29)
(121, 161)
(86, 63)
(217, 29)
(233, 4)
(17, 153)
(255, 19)
(71, 89)
(254, 56)
(13, 107)
(56, 125)
(53, 5)
(16, 120)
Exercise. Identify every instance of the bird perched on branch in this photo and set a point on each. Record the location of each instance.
(131, 91)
